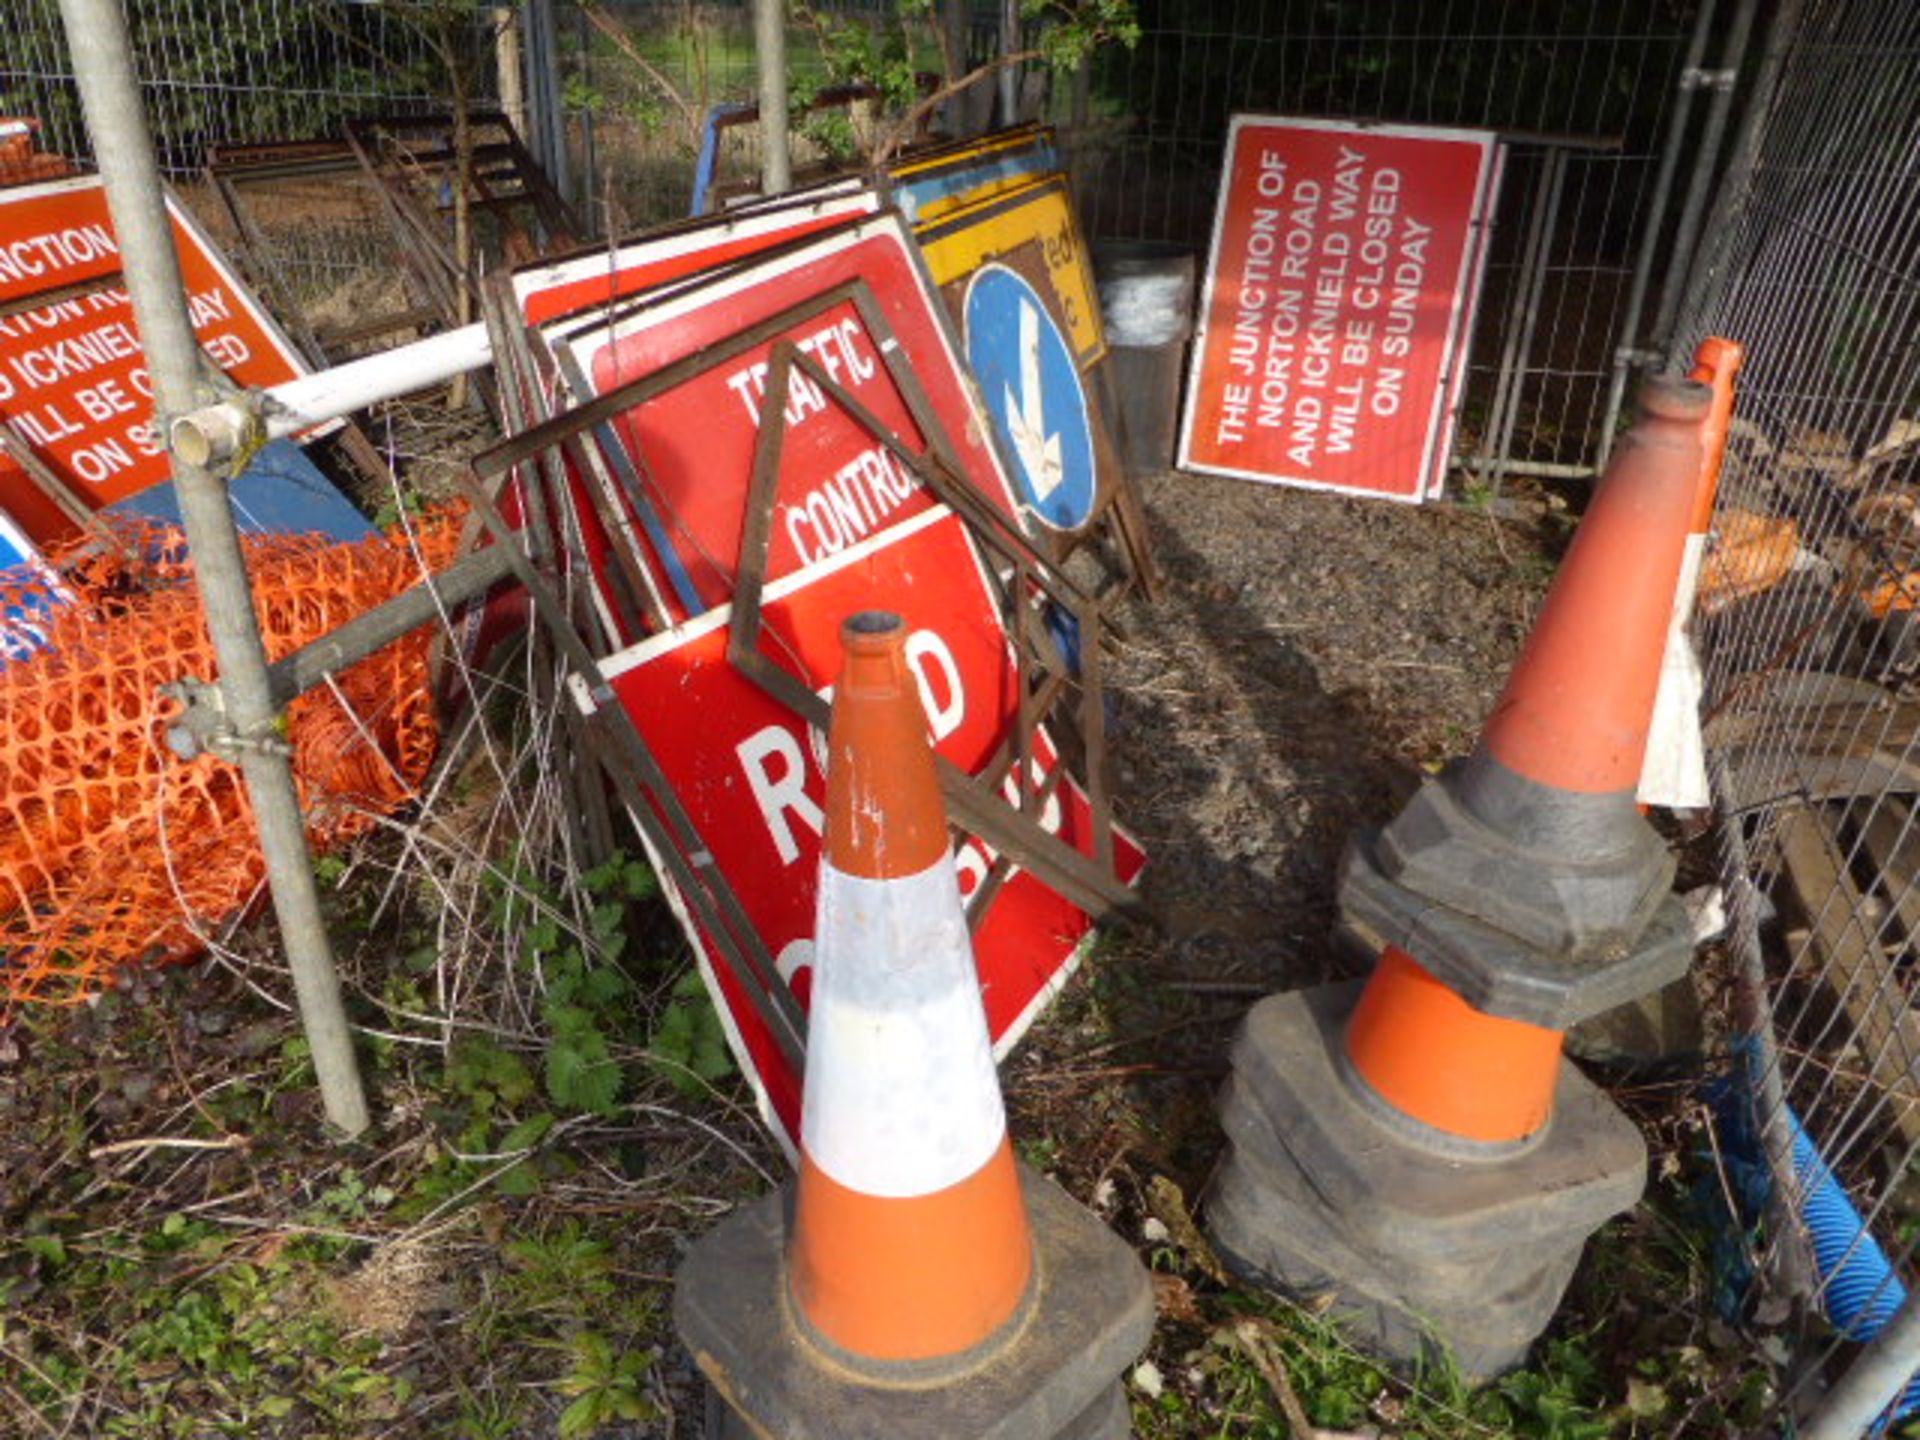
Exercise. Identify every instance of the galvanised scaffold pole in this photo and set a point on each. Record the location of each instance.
(123, 144)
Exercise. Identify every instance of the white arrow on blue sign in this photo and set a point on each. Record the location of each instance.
(1032, 389)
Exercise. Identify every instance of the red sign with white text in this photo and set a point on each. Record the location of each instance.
(693, 445)
(600, 277)
(1341, 263)
(73, 377)
(751, 773)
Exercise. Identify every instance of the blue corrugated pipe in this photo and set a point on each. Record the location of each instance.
(1862, 1291)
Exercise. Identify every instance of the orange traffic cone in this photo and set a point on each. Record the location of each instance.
(1435, 1058)
(916, 1281)
(909, 1239)
(1525, 878)
(1417, 1146)
(1674, 774)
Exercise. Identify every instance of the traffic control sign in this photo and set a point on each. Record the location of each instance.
(73, 377)
(750, 774)
(699, 360)
(1031, 387)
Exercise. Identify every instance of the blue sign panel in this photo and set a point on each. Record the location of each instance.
(26, 592)
(281, 492)
(1031, 387)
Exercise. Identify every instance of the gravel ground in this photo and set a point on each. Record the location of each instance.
(1312, 654)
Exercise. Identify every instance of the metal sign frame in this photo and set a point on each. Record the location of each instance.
(689, 335)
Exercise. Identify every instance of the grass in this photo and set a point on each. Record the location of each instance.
(186, 1254)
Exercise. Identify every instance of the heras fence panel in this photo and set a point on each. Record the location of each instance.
(1584, 94)
(1812, 262)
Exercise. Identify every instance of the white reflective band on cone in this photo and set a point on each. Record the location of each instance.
(901, 1096)
(1674, 772)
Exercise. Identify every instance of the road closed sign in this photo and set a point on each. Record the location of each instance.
(1341, 269)
(751, 774)
(73, 377)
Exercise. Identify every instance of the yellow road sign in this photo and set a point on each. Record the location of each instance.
(932, 185)
(1040, 211)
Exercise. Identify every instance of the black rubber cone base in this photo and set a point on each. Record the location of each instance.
(1424, 1252)
(1493, 970)
(1056, 1379)
(1107, 1418)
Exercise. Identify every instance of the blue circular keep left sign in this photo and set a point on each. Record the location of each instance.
(1032, 390)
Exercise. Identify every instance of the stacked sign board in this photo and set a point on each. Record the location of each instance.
(73, 379)
(1341, 284)
(783, 397)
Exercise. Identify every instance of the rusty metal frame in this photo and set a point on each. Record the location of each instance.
(1042, 679)
(398, 150)
(622, 752)
(231, 170)
(1010, 831)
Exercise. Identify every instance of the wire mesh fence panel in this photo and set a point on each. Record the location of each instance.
(227, 71)
(1808, 636)
(643, 78)
(1583, 92)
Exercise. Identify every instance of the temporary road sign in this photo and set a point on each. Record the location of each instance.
(692, 442)
(557, 288)
(1031, 230)
(934, 183)
(73, 379)
(1038, 211)
(27, 589)
(751, 773)
(1337, 276)
(1031, 387)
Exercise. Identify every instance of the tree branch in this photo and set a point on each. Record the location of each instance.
(924, 107)
(623, 42)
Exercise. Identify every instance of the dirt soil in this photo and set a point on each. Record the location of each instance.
(1311, 656)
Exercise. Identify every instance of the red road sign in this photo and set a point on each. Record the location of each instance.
(693, 444)
(751, 773)
(73, 377)
(600, 277)
(1336, 283)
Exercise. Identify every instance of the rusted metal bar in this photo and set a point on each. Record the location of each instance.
(375, 629)
(652, 804)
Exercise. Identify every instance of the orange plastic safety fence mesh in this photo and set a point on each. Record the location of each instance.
(113, 850)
